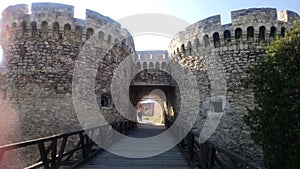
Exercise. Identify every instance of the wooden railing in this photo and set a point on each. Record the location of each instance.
(55, 153)
(208, 155)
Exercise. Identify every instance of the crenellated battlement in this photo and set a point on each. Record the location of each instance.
(248, 26)
(155, 59)
(54, 22)
(151, 55)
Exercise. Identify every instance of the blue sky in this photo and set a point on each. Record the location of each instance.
(188, 10)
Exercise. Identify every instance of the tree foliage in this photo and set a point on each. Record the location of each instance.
(275, 120)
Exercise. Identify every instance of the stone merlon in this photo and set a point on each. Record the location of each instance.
(15, 11)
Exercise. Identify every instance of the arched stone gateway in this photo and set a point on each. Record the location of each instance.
(153, 88)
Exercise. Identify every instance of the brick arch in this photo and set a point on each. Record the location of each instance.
(138, 65)
(216, 38)
(250, 34)
(67, 31)
(272, 32)
(157, 65)
(227, 36)
(44, 30)
(151, 65)
(78, 33)
(182, 48)
(89, 33)
(282, 31)
(145, 65)
(101, 35)
(109, 38)
(238, 35)
(23, 28)
(33, 26)
(262, 34)
(206, 41)
(164, 66)
(55, 30)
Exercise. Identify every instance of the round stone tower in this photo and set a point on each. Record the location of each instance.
(219, 56)
(40, 53)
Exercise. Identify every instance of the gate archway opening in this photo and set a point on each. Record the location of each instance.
(154, 95)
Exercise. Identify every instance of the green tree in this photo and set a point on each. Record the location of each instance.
(275, 120)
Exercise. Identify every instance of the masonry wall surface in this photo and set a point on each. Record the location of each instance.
(41, 51)
(219, 56)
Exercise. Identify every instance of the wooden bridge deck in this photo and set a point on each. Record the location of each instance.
(172, 159)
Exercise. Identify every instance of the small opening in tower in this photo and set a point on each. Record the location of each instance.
(216, 38)
(138, 66)
(262, 33)
(105, 100)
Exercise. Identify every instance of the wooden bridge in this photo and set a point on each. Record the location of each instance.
(189, 153)
(171, 159)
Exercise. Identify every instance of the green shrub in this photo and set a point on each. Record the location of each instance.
(275, 120)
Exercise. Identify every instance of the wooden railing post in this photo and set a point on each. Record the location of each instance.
(43, 155)
(61, 151)
(182, 144)
(191, 147)
(53, 153)
(203, 150)
(211, 156)
(126, 127)
(121, 127)
(83, 147)
(1, 154)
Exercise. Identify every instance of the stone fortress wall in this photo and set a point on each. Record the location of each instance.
(248, 26)
(41, 48)
(40, 52)
(219, 56)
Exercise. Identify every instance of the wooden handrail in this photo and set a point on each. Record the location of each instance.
(204, 155)
(59, 156)
(36, 141)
